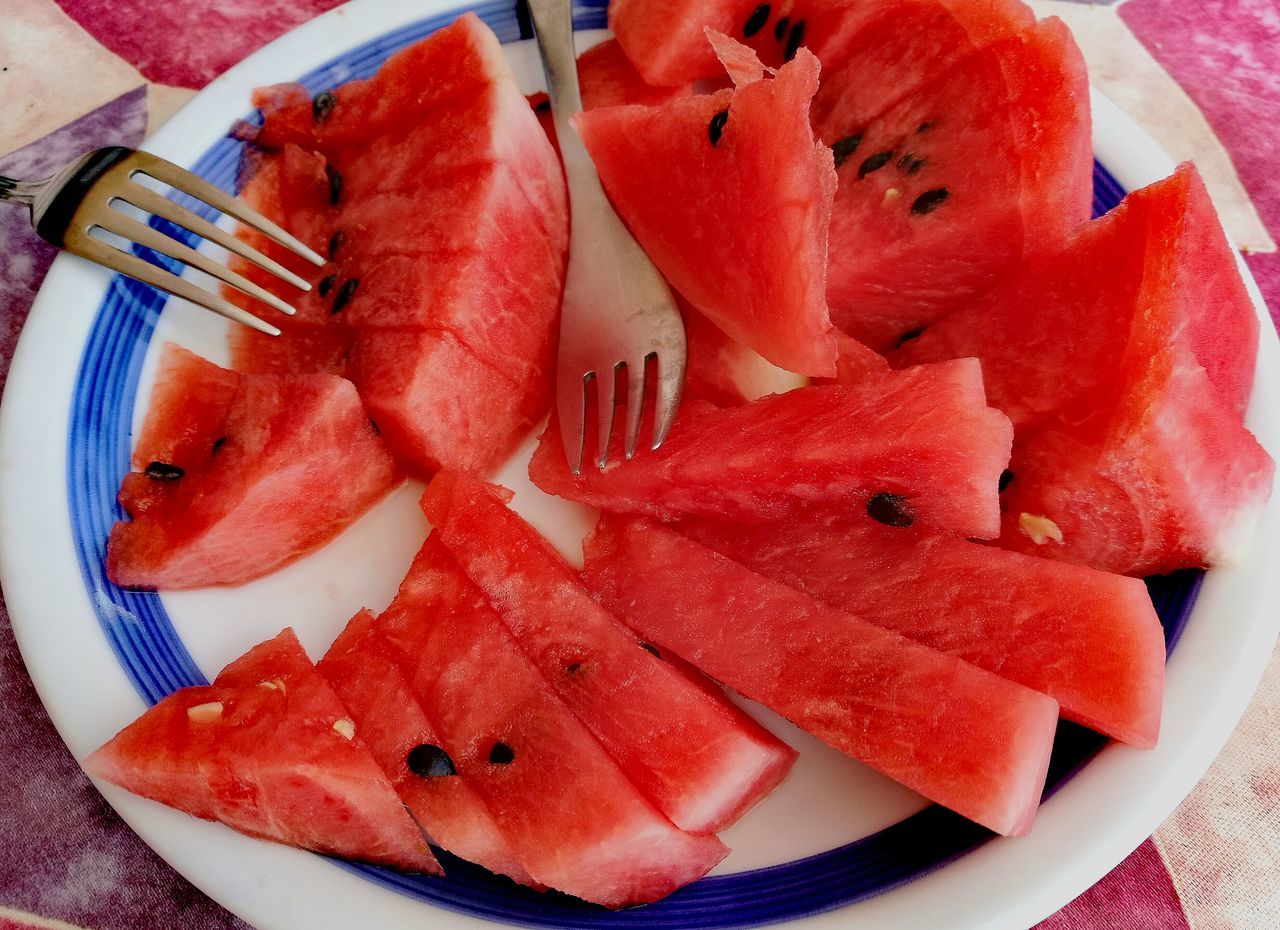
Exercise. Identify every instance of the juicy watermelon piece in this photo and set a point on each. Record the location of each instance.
(609, 79)
(564, 805)
(924, 437)
(1088, 639)
(729, 194)
(269, 750)
(666, 39)
(727, 373)
(448, 243)
(645, 712)
(1129, 435)
(286, 462)
(961, 736)
(946, 189)
(365, 673)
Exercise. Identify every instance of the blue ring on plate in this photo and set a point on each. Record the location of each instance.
(152, 655)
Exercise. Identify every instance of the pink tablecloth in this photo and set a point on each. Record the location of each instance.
(80, 73)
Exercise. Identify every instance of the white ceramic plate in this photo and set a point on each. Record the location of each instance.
(836, 846)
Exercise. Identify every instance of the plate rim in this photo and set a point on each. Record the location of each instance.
(1134, 160)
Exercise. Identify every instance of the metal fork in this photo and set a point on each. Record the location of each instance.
(84, 197)
(618, 311)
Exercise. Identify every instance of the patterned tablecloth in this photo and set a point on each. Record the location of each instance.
(1203, 76)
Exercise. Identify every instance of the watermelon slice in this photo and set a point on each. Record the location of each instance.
(269, 750)
(447, 242)
(947, 188)
(1130, 453)
(961, 736)
(729, 194)
(564, 805)
(365, 673)
(288, 462)
(726, 373)
(645, 712)
(1088, 639)
(923, 439)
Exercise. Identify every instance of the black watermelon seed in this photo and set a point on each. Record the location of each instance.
(501, 754)
(326, 284)
(874, 163)
(218, 444)
(322, 105)
(845, 147)
(925, 126)
(794, 40)
(335, 242)
(908, 336)
(930, 201)
(163, 471)
(573, 668)
(1005, 477)
(916, 165)
(651, 649)
(344, 294)
(374, 424)
(780, 29)
(335, 183)
(428, 761)
(715, 129)
(756, 21)
(890, 509)
(543, 106)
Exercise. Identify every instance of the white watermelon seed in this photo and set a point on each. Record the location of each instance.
(1039, 529)
(205, 713)
(345, 727)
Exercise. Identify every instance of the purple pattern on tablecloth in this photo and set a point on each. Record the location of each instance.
(63, 852)
(1138, 894)
(189, 44)
(1226, 55)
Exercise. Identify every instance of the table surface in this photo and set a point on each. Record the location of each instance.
(1202, 76)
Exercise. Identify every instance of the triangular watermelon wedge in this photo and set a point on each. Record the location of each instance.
(238, 475)
(364, 671)
(962, 736)
(269, 750)
(644, 711)
(730, 194)
(569, 812)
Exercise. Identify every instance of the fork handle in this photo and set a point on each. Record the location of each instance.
(53, 218)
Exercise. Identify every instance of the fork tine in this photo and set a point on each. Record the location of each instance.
(149, 201)
(126, 263)
(113, 221)
(188, 183)
(571, 408)
(670, 381)
(606, 386)
(635, 402)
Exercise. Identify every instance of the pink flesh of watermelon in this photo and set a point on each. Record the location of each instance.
(267, 762)
(365, 673)
(1128, 421)
(648, 715)
(568, 811)
(273, 468)
(451, 251)
(667, 42)
(955, 183)
(738, 225)
(924, 434)
(960, 735)
(1088, 639)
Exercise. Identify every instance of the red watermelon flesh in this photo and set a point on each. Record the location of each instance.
(645, 712)
(1089, 639)
(365, 673)
(287, 462)
(927, 439)
(1129, 439)
(951, 186)
(729, 194)
(727, 373)
(268, 750)
(448, 240)
(666, 39)
(565, 806)
(961, 736)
